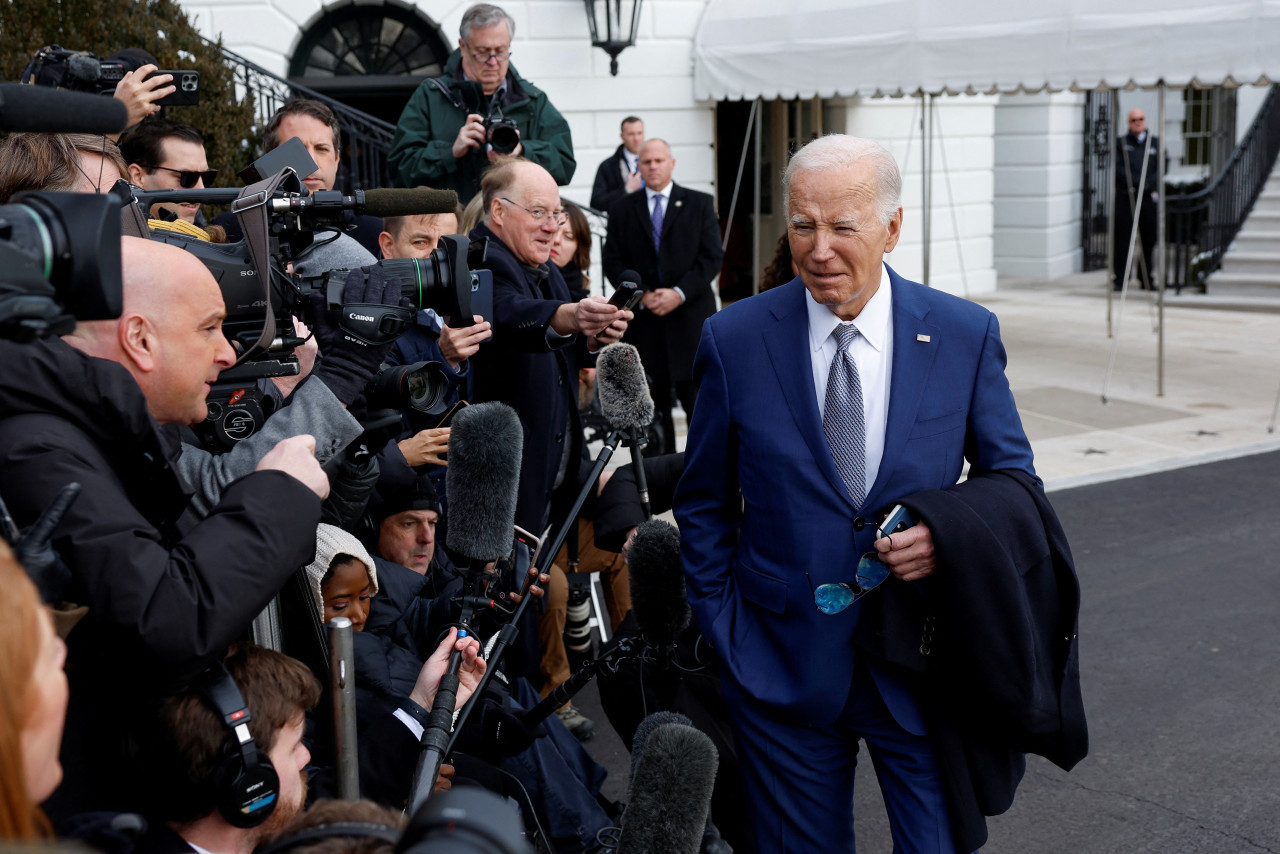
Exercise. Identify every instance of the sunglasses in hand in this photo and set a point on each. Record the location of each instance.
(834, 598)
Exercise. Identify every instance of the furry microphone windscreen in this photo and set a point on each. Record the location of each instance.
(645, 729)
(413, 201)
(482, 480)
(670, 793)
(658, 595)
(623, 391)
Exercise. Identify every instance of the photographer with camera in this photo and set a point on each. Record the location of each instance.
(478, 113)
(165, 592)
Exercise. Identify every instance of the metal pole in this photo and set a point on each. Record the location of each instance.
(342, 668)
(1161, 262)
(926, 179)
(1111, 199)
(755, 208)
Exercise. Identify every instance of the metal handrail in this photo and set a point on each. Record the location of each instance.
(366, 139)
(1202, 223)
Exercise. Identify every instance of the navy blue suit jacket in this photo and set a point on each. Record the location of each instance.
(761, 503)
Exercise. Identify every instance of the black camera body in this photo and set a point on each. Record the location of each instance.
(500, 133)
(60, 253)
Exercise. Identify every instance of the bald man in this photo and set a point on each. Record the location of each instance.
(166, 594)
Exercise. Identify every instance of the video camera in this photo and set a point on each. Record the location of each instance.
(82, 71)
(60, 253)
(279, 223)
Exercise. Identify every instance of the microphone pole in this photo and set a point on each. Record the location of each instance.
(507, 634)
(486, 445)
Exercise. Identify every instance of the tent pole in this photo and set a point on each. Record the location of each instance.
(926, 152)
(1162, 265)
(737, 184)
(755, 211)
(1112, 201)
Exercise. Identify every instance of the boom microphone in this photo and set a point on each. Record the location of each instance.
(416, 201)
(659, 599)
(670, 792)
(623, 391)
(40, 109)
(485, 447)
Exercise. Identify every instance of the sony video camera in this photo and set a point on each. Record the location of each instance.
(262, 298)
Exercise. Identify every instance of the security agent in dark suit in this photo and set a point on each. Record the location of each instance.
(619, 175)
(1133, 157)
(676, 266)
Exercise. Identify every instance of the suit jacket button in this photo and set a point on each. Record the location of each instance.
(859, 523)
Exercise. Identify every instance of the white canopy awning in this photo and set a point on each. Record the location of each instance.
(828, 48)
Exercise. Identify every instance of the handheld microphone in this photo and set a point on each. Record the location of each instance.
(40, 109)
(627, 405)
(659, 598)
(671, 790)
(485, 448)
(623, 390)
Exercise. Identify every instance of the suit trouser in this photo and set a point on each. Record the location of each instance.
(799, 778)
(686, 391)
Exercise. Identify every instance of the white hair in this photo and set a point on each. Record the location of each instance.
(482, 16)
(837, 151)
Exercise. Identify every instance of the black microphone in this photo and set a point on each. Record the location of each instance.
(415, 201)
(659, 598)
(671, 790)
(485, 447)
(622, 388)
(41, 109)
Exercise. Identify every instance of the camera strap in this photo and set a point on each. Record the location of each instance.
(250, 208)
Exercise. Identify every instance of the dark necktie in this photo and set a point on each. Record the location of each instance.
(657, 222)
(842, 418)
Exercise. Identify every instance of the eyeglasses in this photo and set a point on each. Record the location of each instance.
(501, 56)
(871, 573)
(559, 217)
(187, 178)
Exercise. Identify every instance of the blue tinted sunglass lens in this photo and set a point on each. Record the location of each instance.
(871, 572)
(833, 598)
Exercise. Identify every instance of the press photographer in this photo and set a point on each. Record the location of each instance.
(479, 112)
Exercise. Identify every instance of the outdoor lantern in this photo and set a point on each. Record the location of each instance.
(621, 19)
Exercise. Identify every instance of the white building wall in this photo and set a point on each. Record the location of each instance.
(1038, 185)
(961, 260)
(552, 48)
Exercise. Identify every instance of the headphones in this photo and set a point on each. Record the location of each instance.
(245, 784)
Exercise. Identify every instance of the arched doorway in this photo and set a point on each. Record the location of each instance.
(371, 57)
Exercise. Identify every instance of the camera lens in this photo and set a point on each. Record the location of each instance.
(421, 386)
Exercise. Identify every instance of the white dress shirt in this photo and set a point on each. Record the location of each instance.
(872, 352)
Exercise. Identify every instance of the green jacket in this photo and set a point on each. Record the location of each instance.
(421, 153)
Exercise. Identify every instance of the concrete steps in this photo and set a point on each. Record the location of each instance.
(1252, 262)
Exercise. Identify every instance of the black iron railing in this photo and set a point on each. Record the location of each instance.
(365, 139)
(1201, 224)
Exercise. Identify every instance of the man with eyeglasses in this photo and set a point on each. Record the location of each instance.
(165, 155)
(823, 404)
(441, 140)
(1137, 152)
(540, 337)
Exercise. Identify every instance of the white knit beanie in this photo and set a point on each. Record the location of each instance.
(332, 541)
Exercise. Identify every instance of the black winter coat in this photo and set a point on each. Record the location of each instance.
(165, 595)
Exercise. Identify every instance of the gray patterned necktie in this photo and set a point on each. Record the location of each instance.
(842, 418)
